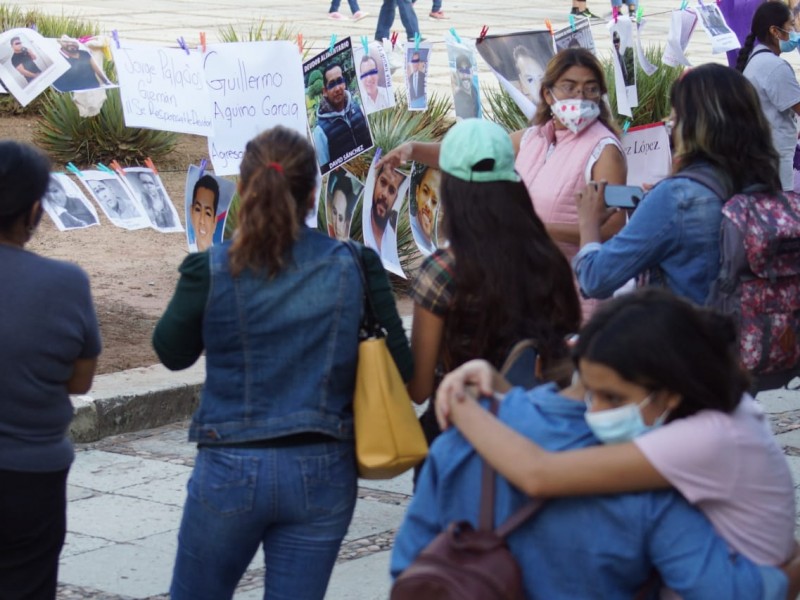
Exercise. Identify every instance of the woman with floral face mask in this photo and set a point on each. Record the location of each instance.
(665, 393)
(572, 140)
(772, 33)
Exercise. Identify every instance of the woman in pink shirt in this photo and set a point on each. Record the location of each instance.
(572, 140)
(665, 393)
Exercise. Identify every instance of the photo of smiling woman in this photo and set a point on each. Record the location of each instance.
(424, 206)
(207, 199)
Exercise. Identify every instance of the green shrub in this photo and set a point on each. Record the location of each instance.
(66, 136)
(503, 110)
(653, 89)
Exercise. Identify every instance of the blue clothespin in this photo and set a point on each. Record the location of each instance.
(572, 22)
(684, 4)
(626, 125)
(378, 153)
(455, 35)
(203, 164)
(33, 26)
(365, 43)
(105, 169)
(417, 39)
(73, 169)
(115, 35)
(182, 44)
(333, 41)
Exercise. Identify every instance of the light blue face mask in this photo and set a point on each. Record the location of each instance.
(791, 43)
(622, 424)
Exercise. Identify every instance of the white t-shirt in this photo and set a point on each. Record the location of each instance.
(779, 91)
(732, 469)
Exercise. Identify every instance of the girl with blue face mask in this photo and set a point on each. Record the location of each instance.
(771, 34)
(667, 400)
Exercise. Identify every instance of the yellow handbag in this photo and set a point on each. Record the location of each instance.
(389, 439)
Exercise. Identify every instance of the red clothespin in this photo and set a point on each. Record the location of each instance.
(149, 164)
(203, 41)
(117, 167)
(482, 34)
(615, 13)
(549, 26)
(394, 39)
(300, 43)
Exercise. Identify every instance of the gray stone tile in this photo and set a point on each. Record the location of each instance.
(124, 569)
(109, 472)
(120, 518)
(778, 401)
(361, 579)
(790, 438)
(403, 484)
(77, 543)
(170, 491)
(373, 517)
(75, 492)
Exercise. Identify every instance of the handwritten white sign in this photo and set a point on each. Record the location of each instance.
(163, 88)
(253, 86)
(647, 152)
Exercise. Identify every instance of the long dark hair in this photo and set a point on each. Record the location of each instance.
(767, 15)
(662, 342)
(278, 174)
(560, 64)
(718, 119)
(511, 280)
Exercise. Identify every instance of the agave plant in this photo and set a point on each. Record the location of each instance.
(12, 17)
(653, 89)
(503, 110)
(69, 137)
(261, 32)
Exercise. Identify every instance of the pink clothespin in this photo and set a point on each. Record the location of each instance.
(615, 13)
(117, 167)
(482, 34)
(203, 41)
(549, 26)
(394, 39)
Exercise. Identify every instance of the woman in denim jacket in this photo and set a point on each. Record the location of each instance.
(718, 128)
(277, 310)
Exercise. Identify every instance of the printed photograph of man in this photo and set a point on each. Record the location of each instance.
(625, 60)
(342, 130)
(203, 214)
(84, 73)
(466, 100)
(29, 63)
(416, 78)
(579, 37)
(115, 200)
(374, 95)
(712, 19)
(342, 197)
(424, 206)
(23, 60)
(519, 61)
(383, 198)
(153, 197)
(67, 211)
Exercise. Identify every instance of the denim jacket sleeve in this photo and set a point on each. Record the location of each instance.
(696, 563)
(380, 291)
(650, 235)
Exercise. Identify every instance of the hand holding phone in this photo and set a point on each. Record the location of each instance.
(623, 196)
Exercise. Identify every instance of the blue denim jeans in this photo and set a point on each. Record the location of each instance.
(335, 4)
(297, 501)
(386, 17)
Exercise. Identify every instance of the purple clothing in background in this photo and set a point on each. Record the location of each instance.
(739, 16)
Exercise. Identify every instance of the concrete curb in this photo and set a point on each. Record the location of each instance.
(136, 399)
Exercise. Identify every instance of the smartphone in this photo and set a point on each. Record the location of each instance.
(623, 196)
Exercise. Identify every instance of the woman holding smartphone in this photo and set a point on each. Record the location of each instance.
(673, 235)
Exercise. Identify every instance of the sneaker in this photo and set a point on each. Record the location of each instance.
(360, 14)
(337, 16)
(632, 11)
(575, 11)
(590, 15)
(438, 15)
(412, 40)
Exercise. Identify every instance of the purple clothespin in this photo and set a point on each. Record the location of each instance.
(182, 44)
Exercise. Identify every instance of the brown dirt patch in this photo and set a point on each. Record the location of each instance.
(133, 273)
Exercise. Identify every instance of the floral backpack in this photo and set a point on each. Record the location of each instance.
(759, 279)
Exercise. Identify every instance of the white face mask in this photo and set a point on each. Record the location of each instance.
(575, 114)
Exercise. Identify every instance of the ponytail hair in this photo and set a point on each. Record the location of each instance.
(769, 14)
(744, 53)
(277, 179)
